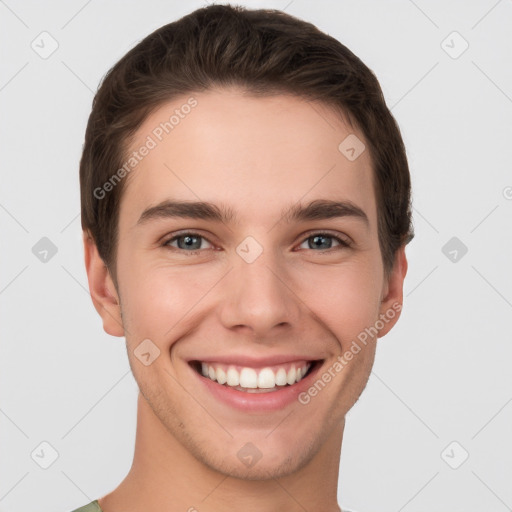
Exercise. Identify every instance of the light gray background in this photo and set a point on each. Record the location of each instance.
(441, 375)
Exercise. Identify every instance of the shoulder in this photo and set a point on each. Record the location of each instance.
(91, 507)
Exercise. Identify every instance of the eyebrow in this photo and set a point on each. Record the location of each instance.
(318, 209)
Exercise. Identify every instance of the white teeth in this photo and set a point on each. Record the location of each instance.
(233, 377)
(250, 378)
(221, 376)
(281, 377)
(266, 378)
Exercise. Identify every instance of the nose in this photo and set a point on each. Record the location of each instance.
(259, 298)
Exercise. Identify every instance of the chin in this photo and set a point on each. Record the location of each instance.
(263, 460)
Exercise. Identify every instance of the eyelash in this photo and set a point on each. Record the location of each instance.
(342, 243)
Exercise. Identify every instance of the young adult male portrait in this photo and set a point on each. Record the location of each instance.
(246, 206)
(218, 300)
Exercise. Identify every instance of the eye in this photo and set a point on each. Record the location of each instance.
(192, 243)
(188, 242)
(323, 241)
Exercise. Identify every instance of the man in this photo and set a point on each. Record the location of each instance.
(246, 206)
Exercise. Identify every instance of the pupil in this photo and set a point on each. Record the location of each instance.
(189, 241)
(318, 238)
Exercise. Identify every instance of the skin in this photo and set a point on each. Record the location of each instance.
(256, 155)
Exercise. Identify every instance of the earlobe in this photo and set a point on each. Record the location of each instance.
(103, 292)
(391, 303)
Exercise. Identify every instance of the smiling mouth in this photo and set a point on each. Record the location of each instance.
(256, 380)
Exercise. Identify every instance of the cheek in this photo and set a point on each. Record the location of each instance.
(160, 300)
(346, 299)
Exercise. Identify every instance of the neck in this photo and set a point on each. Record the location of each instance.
(164, 474)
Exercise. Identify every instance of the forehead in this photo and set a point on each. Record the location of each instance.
(254, 154)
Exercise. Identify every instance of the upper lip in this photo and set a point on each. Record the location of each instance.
(254, 362)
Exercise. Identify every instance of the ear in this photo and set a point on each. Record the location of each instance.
(103, 292)
(393, 292)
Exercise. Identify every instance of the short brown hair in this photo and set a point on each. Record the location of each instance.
(265, 52)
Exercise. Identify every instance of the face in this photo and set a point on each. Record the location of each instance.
(267, 287)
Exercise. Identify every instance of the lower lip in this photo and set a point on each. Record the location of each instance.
(269, 401)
